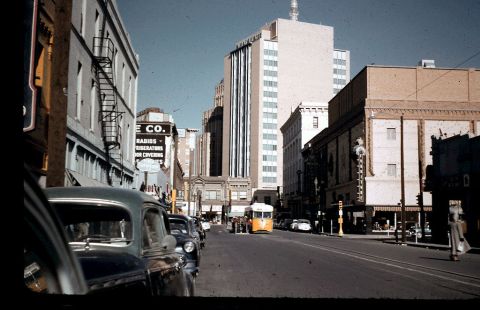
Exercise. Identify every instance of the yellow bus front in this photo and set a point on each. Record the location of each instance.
(262, 225)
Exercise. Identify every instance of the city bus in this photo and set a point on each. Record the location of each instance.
(260, 218)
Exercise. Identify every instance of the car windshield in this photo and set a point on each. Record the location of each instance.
(96, 224)
(178, 227)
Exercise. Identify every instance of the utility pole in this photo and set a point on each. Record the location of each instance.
(189, 181)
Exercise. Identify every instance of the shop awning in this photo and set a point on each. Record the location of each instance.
(399, 209)
(78, 179)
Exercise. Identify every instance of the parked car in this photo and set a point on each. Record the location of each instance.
(50, 266)
(201, 231)
(293, 225)
(286, 224)
(302, 225)
(418, 231)
(205, 224)
(122, 239)
(182, 228)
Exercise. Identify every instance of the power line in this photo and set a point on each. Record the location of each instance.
(448, 71)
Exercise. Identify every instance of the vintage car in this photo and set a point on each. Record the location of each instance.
(301, 225)
(183, 229)
(205, 224)
(202, 232)
(122, 239)
(49, 264)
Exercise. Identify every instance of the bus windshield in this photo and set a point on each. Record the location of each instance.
(267, 215)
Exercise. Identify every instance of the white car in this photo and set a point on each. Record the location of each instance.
(303, 225)
(205, 225)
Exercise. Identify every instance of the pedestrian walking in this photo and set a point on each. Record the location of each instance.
(459, 244)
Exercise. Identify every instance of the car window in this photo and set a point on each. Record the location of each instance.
(153, 228)
(105, 225)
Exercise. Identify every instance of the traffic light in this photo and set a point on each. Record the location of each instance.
(340, 204)
(419, 197)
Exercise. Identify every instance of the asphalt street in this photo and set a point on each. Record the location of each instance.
(288, 264)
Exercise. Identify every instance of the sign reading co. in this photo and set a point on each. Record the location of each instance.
(154, 128)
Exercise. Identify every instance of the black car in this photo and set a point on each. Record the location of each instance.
(182, 227)
(202, 232)
(122, 239)
(49, 264)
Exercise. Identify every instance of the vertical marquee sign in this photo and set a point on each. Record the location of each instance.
(150, 141)
(29, 90)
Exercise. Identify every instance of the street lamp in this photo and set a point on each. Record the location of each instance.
(319, 213)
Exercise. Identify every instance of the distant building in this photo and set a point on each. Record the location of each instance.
(305, 122)
(212, 135)
(341, 69)
(186, 149)
(265, 79)
(357, 158)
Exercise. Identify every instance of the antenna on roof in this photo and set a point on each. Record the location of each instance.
(294, 10)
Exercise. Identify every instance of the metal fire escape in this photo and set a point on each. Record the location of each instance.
(109, 114)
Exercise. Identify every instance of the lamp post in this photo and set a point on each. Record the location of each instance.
(315, 182)
(340, 218)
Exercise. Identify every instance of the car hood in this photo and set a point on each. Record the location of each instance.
(101, 266)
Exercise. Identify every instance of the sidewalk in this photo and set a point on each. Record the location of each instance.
(391, 240)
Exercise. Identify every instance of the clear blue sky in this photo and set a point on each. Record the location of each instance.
(182, 43)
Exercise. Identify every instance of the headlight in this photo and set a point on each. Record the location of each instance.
(189, 246)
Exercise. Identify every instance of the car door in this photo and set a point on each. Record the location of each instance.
(164, 267)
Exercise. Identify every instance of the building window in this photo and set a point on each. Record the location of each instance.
(392, 170)
(315, 122)
(391, 134)
(269, 147)
(243, 195)
(83, 14)
(92, 106)
(129, 103)
(211, 195)
(128, 143)
(79, 91)
(123, 80)
(269, 73)
(270, 94)
(269, 136)
(269, 179)
(269, 169)
(271, 63)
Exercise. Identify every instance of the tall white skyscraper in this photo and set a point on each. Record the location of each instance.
(266, 76)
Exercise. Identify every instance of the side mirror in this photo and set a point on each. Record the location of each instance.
(169, 242)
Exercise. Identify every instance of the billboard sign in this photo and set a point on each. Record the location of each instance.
(150, 141)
